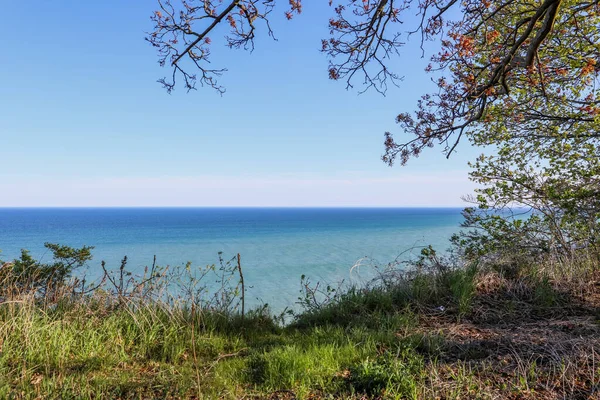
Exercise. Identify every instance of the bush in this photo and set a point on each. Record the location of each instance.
(26, 274)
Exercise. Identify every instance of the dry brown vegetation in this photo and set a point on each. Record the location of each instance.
(517, 343)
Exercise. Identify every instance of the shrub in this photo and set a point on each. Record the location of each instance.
(26, 274)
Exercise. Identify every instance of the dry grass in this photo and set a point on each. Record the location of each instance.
(519, 341)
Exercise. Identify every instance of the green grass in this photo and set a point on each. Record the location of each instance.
(405, 340)
(77, 353)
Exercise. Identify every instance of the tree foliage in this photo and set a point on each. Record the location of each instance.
(519, 77)
(509, 69)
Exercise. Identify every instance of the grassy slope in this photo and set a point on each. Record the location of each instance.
(495, 337)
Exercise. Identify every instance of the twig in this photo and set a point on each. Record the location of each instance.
(223, 356)
(239, 267)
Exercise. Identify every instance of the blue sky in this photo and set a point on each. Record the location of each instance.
(84, 123)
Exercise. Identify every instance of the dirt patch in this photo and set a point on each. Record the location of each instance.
(509, 349)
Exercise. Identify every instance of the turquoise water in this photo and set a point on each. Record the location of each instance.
(277, 245)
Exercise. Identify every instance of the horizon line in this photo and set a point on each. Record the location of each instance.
(232, 207)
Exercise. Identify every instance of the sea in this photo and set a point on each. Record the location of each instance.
(276, 245)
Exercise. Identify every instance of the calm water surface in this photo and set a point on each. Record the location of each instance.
(277, 245)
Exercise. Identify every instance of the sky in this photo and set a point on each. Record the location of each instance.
(83, 122)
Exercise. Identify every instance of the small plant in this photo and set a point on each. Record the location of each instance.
(544, 294)
(462, 287)
(314, 297)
